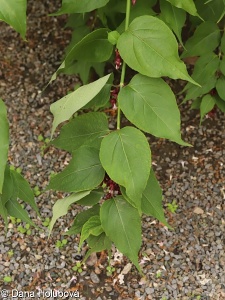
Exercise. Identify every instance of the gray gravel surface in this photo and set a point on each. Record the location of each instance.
(186, 263)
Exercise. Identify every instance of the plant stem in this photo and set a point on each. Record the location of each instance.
(124, 64)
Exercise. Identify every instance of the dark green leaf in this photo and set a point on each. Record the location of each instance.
(87, 129)
(15, 210)
(173, 17)
(122, 224)
(93, 198)
(220, 103)
(205, 39)
(22, 190)
(82, 218)
(210, 11)
(151, 202)
(94, 47)
(7, 193)
(220, 87)
(146, 102)
(97, 244)
(84, 172)
(206, 106)
(204, 73)
(91, 227)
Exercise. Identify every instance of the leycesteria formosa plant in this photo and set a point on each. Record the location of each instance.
(110, 171)
(121, 50)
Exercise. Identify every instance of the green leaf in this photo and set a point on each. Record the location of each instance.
(93, 198)
(204, 73)
(206, 39)
(196, 103)
(16, 210)
(4, 141)
(77, 6)
(97, 244)
(82, 218)
(220, 103)
(206, 106)
(94, 47)
(222, 66)
(91, 227)
(126, 156)
(212, 10)
(146, 102)
(113, 37)
(122, 224)
(87, 129)
(220, 87)
(153, 49)
(61, 207)
(13, 12)
(7, 192)
(84, 172)
(64, 108)
(151, 202)
(222, 46)
(187, 5)
(22, 190)
(174, 17)
(100, 100)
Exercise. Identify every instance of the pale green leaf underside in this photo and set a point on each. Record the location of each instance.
(13, 12)
(146, 102)
(61, 206)
(64, 108)
(153, 49)
(122, 224)
(125, 155)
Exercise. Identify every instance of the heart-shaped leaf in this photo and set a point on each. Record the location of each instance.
(87, 129)
(153, 49)
(146, 102)
(84, 172)
(125, 155)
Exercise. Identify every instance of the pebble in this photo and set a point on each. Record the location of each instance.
(94, 277)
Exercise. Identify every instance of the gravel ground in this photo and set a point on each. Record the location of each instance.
(187, 263)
